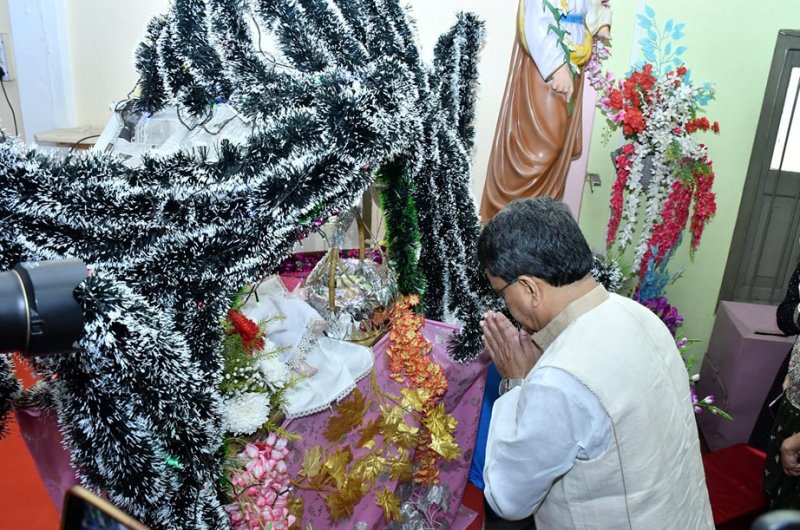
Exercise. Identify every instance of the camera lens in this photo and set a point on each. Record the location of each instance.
(38, 311)
(14, 313)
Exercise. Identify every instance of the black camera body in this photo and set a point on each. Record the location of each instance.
(38, 311)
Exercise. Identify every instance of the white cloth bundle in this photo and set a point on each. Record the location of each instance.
(339, 365)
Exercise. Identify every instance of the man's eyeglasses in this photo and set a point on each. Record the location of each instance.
(506, 286)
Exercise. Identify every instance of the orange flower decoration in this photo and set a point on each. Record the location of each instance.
(410, 363)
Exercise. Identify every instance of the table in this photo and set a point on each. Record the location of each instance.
(72, 138)
(463, 401)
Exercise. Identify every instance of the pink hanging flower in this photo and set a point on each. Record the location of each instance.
(673, 220)
(705, 205)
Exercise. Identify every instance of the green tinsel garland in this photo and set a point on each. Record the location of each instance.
(402, 227)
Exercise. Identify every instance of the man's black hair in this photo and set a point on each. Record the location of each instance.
(535, 237)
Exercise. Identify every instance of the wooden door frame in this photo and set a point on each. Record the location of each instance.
(760, 158)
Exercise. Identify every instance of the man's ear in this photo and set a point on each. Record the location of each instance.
(535, 287)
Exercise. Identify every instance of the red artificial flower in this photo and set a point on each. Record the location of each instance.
(646, 80)
(623, 164)
(249, 331)
(633, 123)
(631, 93)
(681, 70)
(715, 127)
(696, 124)
(615, 99)
(674, 215)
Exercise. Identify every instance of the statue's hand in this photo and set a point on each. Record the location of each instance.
(604, 33)
(562, 83)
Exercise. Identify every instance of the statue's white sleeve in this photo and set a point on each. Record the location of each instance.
(542, 43)
(598, 16)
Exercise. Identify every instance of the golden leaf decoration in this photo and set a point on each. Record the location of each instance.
(401, 471)
(336, 465)
(439, 422)
(415, 399)
(392, 415)
(312, 463)
(400, 468)
(355, 405)
(338, 506)
(370, 466)
(445, 446)
(342, 502)
(395, 428)
(368, 433)
(406, 436)
(354, 488)
(390, 504)
(348, 415)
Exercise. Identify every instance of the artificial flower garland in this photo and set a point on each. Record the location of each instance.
(260, 486)
(410, 363)
(658, 115)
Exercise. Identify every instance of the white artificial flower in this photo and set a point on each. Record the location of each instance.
(276, 373)
(245, 413)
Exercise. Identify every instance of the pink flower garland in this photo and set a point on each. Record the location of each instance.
(623, 164)
(261, 488)
(705, 205)
(673, 220)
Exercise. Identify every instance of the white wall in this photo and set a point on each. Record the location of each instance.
(43, 64)
(104, 34)
(436, 17)
(103, 37)
(12, 87)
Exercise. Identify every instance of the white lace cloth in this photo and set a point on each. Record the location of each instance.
(340, 365)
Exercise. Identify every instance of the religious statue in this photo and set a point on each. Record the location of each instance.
(538, 131)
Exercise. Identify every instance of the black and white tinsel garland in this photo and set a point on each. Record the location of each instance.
(320, 40)
(135, 382)
(182, 235)
(444, 195)
(171, 241)
(608, 272)
(10, 389)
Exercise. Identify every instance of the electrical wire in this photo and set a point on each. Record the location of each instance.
(10, 106)
(76, 144)
(270, 57)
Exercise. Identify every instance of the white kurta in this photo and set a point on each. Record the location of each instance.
(523, 418)
(549, 449)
